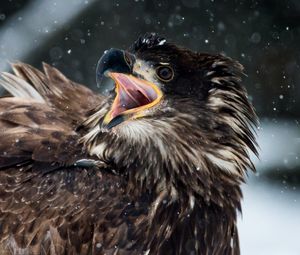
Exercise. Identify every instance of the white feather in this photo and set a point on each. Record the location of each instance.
(227, 163)
(19, 88)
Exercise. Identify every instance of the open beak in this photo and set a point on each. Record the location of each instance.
(133, 97)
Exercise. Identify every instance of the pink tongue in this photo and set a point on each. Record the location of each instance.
(132, 93)
(132, 99)
(127, 102)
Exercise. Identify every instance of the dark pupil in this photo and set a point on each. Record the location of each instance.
(165, 73)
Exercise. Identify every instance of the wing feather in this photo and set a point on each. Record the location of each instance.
(19, 88)
(47, 204)
(58, 91)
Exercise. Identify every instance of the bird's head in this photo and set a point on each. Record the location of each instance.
(174, 114)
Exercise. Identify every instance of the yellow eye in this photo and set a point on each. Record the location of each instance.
(165, 73)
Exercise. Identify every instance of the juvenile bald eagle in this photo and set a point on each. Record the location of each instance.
(153, 168)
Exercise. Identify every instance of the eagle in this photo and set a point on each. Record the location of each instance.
(152, 166)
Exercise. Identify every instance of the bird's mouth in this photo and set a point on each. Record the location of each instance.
(134, 96)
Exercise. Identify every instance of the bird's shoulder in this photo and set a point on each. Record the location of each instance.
(50, 203)
(38, 120)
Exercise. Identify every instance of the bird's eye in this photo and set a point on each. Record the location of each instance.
(165, 73)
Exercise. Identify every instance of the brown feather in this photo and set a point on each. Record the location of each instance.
(59, 92)
(168, 183)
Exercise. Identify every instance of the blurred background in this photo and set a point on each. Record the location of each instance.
(263, 35)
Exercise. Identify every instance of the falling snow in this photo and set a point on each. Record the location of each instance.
(263, 36)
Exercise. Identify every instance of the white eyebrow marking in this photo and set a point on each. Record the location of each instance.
(164, 63)
(162, 42)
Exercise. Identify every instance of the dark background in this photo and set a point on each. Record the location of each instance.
(263, 35)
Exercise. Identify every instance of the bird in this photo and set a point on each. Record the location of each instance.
(151, 165)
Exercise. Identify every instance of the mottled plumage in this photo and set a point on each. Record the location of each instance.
(81, 173)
